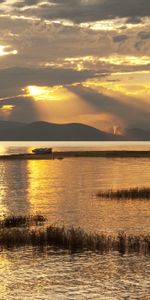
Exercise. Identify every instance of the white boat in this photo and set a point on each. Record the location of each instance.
(42, 150)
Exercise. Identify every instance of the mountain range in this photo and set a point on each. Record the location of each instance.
(44, 131)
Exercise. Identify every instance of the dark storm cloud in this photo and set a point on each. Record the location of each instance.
(19, 77)
(86, 11)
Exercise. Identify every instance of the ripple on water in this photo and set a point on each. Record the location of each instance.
(33, 275)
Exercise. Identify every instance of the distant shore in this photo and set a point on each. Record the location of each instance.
(69, 154)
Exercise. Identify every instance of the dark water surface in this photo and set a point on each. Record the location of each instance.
(65, 192)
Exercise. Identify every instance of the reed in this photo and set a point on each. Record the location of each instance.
(131, 193)
(19, 221)
(73, 239)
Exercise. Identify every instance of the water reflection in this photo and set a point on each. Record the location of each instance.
(53, 275)
(13, 187)
(42, 188)
(4, 266)
(65, 191)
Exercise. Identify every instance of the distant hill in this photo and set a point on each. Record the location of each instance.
(43, 131)
(4, 125)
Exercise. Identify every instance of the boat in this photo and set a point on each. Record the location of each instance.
(42, 151)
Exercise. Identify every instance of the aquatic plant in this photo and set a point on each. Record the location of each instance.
(73, 239)
(18, 221)
(131, 193)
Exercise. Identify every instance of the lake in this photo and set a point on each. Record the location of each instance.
(65, 191)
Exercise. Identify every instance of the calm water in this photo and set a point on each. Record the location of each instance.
(65, 192)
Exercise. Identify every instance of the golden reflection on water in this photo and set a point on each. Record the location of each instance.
(13, 188)
(4, 268)
(42, 185)
(3, 150)
(3, 191)
(65, 191)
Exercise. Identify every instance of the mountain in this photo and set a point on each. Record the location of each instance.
(43, 131)
(137, 134)
(4, 125)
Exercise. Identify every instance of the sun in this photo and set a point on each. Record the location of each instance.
(4, 52)
(36, 90)
(39, 93)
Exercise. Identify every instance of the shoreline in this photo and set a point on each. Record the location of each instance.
(70, 154)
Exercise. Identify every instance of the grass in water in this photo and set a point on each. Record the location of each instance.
(132, 193)
(72, 239)
(19, 221)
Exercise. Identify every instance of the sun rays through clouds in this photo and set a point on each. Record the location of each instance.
(50, 52)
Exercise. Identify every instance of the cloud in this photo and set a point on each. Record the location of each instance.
(66, 42)
(142, 43)
(144, 35)
(21, 4)
(86, 11)
(120, 38)
(20, 77)
(134, 20)
(56, 41)
(24, 109)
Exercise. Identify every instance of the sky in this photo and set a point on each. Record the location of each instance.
(68, 61)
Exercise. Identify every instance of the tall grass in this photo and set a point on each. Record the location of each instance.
(72, 239)
(19, 221)
(131, 193)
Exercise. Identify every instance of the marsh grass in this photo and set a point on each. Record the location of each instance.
(131, 193)
(20, 221)
(72, 239)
